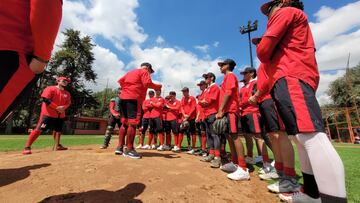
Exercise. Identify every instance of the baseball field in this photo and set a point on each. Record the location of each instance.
(84, 173)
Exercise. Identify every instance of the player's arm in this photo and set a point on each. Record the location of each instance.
(193, 107)
(112, 108)
(46, 97)
(45, 18)
(147, 82)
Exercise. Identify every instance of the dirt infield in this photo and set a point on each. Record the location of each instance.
(88, 174)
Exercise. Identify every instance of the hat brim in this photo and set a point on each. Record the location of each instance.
(183, 90)
(221, 63)
(242, 72)
(256, 40)
(265, 7)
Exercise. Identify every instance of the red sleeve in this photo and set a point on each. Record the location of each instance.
(230, 84)
(45, 18)
(277, 27)
(147, 82)
(121, 81)
(48, 94)
(112, 108)
(159, 104)
(243, 101)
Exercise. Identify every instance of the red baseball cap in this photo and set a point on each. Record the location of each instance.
(63, 78)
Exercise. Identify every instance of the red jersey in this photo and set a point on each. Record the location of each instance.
(211, 97)
(30, 27)
(245, 93)
(58, 98)
(294, 55)
(199, 108)
(147, 107)
(158, 104)
(230, 86)
(173, 110)
(135, 84)
(263, 84)
(188, 107)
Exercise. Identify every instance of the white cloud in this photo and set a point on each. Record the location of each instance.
(203, 48)
(160, 40)
(101, 18)
(216, 44)
(325, 80)
(336, 31)
(174, 67)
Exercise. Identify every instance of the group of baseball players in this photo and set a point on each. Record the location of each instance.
(275, 105)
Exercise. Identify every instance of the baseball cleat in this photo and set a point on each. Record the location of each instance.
(208, 158)
(285, 185)
(298, 197)
(191, 151)
(250, 160)
(239, 174)
(139, 146)
(132, 154)
(146, 147)
(160, 148)
(215, 163)
(229, 167)
(60, 147)
(119, 151)
(26, 151)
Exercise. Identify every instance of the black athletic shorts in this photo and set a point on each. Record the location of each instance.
(50, 123)
(130, 111)
(112, 121)
(171, 126)
(16, 81)
(297, 106)
(270, 117)
(251, 123)
(156, 125)
(144, 124)
(200, 127)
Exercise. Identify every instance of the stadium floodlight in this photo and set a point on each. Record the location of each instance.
(248, 29)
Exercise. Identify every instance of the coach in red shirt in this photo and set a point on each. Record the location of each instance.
(55, 100)
(288, 51)
(27, 33)
(134, 87)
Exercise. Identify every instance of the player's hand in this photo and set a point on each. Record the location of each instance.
(186, 117)
(37, 66)
(204, 103)
(60, 109)
(253, 99)
(220, 114)
(117, 116)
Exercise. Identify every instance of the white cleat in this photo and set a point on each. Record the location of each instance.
(298, 197)
(146, 147)
(239, 174)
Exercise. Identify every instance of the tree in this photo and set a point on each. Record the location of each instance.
(103, 98)
(345, 90)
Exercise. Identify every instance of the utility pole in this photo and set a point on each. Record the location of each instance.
(248, 29)
(104, 98)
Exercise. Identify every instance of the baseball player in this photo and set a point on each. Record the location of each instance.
(171, 125)
(156, 122)
(55, 101)
(229, 107)
(28, 31)
(134, 87)
(288, 51)
(146, 106)
(200, 120)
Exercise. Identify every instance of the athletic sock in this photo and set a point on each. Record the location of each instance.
(266, 158)
(290, 172)
(142, 140)
(234, 159)
(122, 134)
(203, 142)
(180, 139)
(32, 137)
(212, 151)
(310, 186)
(242, 163)
(168, 139)
(131, 131)
(217, 153)
(150, 137)
(193, 141)
(161, 137)
(279, 166)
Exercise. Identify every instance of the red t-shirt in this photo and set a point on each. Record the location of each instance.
(263, 84)
(294, 55)
(147, 107)
(246, 92)
(188, 107)
(230, 86)
(174, 110)
(58, 97)
(157, 104)
(199, 108)
(211, 97)
(30, 27)
(135, 84)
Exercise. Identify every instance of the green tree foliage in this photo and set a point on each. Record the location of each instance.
(103, 98)
(345, 90)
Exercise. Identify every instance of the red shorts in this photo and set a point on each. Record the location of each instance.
(251, 123)
(233, 122)
(297, 106)
(16, 80)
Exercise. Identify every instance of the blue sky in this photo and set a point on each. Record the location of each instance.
(183, 38)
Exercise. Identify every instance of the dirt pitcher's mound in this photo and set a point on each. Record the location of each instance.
(88, 174)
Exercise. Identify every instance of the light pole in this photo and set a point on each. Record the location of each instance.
(248, 29)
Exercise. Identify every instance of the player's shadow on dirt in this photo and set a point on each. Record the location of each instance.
(126, 194)
(159, 154)
(11, 175)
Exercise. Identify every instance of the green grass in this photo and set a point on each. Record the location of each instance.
(349, 153)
